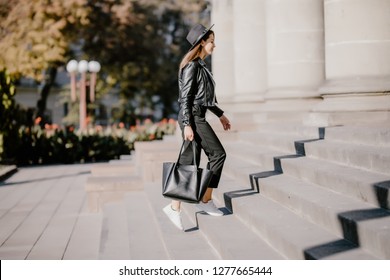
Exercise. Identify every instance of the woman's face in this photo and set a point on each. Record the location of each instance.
(208, 45)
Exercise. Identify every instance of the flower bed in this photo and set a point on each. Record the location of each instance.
(54, 145)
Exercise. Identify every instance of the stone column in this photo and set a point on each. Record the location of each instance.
(295, 48)
(250, 64)
(222, 58)
(357, 45)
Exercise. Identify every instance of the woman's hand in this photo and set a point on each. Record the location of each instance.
(225, 122)
(188, 133)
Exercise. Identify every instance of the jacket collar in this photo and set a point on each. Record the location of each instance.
(201, 62)
(204, 65)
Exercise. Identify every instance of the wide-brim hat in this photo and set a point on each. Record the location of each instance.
(196, 34)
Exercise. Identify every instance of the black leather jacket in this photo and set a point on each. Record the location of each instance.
(196, 87)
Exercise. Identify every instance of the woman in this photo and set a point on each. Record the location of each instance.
(196, 89)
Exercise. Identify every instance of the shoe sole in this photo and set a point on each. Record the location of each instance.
(212, 214)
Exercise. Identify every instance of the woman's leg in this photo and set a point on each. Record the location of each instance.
(175, 204)
(216, 154)
(208, 195)
(209, 142)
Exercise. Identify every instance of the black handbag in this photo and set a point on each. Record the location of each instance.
(186, 183)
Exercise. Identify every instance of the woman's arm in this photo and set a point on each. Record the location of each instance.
(216, 110)
(188, 91)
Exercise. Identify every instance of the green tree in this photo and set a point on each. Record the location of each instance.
(12, 116)
(34, 39)
(139, 45)
(138, 42)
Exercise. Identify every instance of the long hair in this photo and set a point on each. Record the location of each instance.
(195, 52)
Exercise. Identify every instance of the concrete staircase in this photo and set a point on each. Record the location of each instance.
(289, 191)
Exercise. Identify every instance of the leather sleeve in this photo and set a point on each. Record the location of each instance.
(188, 91)
(216, 110)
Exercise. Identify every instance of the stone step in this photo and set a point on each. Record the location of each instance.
(292, 128)
(343, 118)
(126, 157)
(372, 158)
(10, 196)
(377, 134)
(114, 169)
(360, 184)
(239, 167)
(269, 225)
(85, 239)
(104, 189)
(54, 240)
(123, 159)
(291, 235)
(188, 245)
(29, 209)
(151, 155)
(231, 237)
(337, 213)
(145, 238)
(114, 242)
(251, 154)
(369, 157)
(285, 143)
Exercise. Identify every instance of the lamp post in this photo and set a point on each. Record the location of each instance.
(83, 67)
(93, 67)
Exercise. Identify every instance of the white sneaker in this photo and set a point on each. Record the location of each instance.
(210, 208)
(174, 216)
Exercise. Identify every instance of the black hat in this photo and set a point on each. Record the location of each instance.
(196, 34)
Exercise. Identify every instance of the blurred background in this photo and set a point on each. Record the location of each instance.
(77, 68)
(79, 74)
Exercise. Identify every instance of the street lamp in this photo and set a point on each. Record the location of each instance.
(83, 67)
(71, 67)
(93, 67)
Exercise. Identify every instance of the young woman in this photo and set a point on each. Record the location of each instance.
(196, 96)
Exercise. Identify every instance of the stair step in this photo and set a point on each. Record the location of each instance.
(251, 154)
(337, 213)
(114, 234)
(144, 234)
(188, 245)
(53, 241)
(114, 170)
(357, 183)
(316, 209)
(236, 241)
(284, 143)
(371, 158)
(118, 183)
(292, 128)
(377, 134)
(86, 235)
(105, 189)
(288, 233)
(240, 169)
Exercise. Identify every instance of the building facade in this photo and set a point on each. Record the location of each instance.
(325, 62)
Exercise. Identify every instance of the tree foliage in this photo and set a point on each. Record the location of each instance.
(34, 33)
(138, 42)
(12, 116)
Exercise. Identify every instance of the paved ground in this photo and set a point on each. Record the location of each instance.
(40, 208)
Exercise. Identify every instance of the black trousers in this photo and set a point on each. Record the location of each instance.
(206, 139)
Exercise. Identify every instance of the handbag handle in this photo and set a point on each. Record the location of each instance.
(193, 151)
